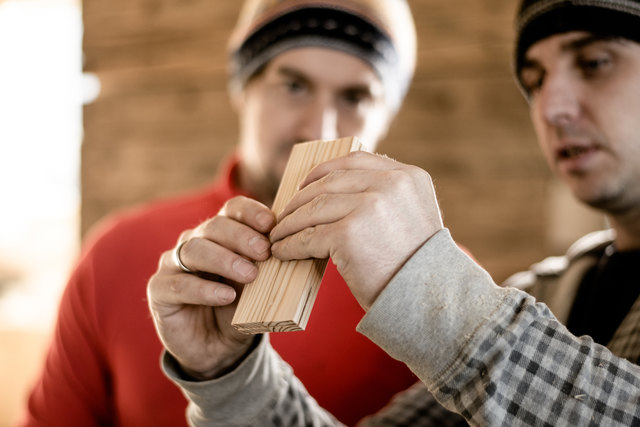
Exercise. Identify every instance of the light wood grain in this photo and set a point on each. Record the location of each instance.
(282, 296)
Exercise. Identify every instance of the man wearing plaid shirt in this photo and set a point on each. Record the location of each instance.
(493, 355)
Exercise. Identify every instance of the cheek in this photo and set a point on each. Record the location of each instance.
(543, 133)
(369, 127)
(275, 122)
(617, 123)
(616, 107)
(261, 127)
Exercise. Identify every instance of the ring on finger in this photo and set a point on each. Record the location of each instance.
(178, 261)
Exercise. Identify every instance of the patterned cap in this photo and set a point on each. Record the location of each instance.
(381, 32)
(538, 19)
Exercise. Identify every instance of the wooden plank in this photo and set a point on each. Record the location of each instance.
(282, 296)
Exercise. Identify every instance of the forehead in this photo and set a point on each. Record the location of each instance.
(563, 43)
(324, 64)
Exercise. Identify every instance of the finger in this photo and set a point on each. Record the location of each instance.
(336, 181)
(204, 256)
(354, 160)
(172, 291)
(250, 212)
(311, 242)
(237, 237)
(322, 209)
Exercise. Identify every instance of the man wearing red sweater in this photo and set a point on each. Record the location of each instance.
(299, 71)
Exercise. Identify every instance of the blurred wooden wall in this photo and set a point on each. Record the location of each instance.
(162, 121)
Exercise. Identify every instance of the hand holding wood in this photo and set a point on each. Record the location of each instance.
(367, 212)
(282, 295)
(192, 305)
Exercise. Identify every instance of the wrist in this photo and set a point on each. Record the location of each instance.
(220, 369)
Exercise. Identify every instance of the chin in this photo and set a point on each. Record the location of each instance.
(609, 203)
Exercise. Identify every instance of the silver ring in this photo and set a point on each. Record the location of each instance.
(178, 261)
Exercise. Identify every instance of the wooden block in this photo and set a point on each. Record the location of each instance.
(281, 297)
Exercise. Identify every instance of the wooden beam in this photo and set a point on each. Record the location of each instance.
(282, 296)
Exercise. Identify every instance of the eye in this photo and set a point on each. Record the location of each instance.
(355, 97)
(531, 79)
(294, 86)
(592, 65)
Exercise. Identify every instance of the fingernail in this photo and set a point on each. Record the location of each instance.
(225, 294)
(243, 267)
(259, 244)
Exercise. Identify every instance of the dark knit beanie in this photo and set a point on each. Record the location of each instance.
(380, 32)
(538, 19)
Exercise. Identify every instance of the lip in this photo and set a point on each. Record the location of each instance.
(576, 156)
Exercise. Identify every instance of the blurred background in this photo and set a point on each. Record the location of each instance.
(108, 104)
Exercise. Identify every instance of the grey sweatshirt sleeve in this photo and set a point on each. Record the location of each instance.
(433, 307)
(261, 391)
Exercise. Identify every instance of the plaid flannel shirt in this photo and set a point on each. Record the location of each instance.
(493, 355)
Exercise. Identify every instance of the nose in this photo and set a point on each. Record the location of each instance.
(558, 101)
(319, 120)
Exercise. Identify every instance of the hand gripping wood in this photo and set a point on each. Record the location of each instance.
(282, 296)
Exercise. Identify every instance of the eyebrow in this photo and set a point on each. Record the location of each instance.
(573, 45)
(290, 72)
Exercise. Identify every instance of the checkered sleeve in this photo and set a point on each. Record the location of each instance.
(527, 369)
(414, 407)
(495, 355)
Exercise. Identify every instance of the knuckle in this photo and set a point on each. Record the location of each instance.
(235, 206)
(176, 285)
(419, 174)
(399, 179)
(225, 208)
(229, 206)
(398, 183)
(166, 260)
(358, 154)
(152, 285)
(317, 204)
(334, 175)
(306, 235)
(185, 235)
(231, 203)
(375, 202)
(214, 223)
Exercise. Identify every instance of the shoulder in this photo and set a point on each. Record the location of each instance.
(555, 266)
(121, 252)
(164, 215)
(153, 225)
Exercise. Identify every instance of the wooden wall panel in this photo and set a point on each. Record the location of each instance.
(163, 122)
